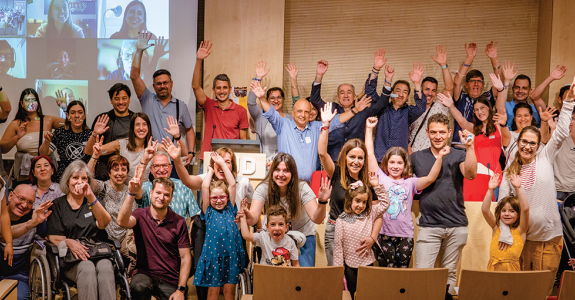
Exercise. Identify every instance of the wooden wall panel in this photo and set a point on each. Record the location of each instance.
(562, 44)
(346, 33)
(544, 42)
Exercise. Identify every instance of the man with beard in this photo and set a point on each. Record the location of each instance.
(224, 118)
(162, 104)
(443, 222)
(161, 237)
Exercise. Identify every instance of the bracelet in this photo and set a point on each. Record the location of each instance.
(505, 86)
(460, 73)
(95, 136)
(294, 87)
(192, 152)
(385, 80)
(372, 239)
(543, 121)
(497, 68)
(322, 202)
(255, 78)
(374, 70)
(177, 138)
(466, 65)
(353, 112)
(93, 203)
(325, 128)
(444, 67)
(133, 195)
(452, 108)
(503, 89)
(416, 90)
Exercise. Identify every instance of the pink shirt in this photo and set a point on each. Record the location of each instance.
(348, 235)
(228, 122)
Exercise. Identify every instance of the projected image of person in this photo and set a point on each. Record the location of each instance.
(126, 56)
(133, 23)
(63, 68)
(7, 60)
(59, 24)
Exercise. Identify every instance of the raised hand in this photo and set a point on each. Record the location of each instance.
(261, 69)
(160, 47)
(60, 97)
(205, 50)
(243, 206)
(508, 71)
(418, 70)
(571, 93)
(173, 127)
(496, 81)
(558, 73)
(467, 138)
(491, 50)
(371, 122)
(447, 101)
(471, 50)
(48, 136)
(324, 190)
(143, 39)
(494, 181)
(441, 58)
(22, 129)
(97, 149)
(173, 150)
(373, 179)
(41, 213)
(363, 103)
(292, 70)
(218, 159)
(547, 114)
(101, 125)
(321, 67)
(379, 59)
(135, 184)
(150, 150)
(388, 73)
(83, 188)
(515, 180)
(500, 118)
(326, 113)
(444, 151)
(256, 88)
(552, 123)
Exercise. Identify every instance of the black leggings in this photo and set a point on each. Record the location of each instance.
(396, 251)
(351, 279)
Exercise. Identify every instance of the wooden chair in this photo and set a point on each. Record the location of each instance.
(525, 285)
(390, 283)
(8, 290)
(566, 287)
(288, 283)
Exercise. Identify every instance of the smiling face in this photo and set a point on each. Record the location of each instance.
(163, 86)
(140, 128)
(438, 134)
(508, 215)
(118, 174)
(218, 170)
(64, 58)
(277, 227)
(402, 92)
(218, 198)
(430, 91)
(135, 16)
(359, 203)
(528, 143)
(481, 111)
(127, 56)
(395, 166)
(161, 196)
(313, 114)
(521, 90)
(355, 160)
(161, 166)
(60, 11)
(76, 115)
(222, 90)
(21, 201)
(43, 170)
(75, 179)
(345, 95)
(120, 102)
(301, 112)
(6, 59)
(282, 176)
(474, 87)
(276, 100)
(523, 118)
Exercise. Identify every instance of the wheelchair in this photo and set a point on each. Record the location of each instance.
(46, 278)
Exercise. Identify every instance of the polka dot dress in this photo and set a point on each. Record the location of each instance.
(223, 254)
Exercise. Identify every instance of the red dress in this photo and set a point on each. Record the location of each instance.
(487, 151)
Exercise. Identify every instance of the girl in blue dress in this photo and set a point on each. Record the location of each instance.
(223, 255)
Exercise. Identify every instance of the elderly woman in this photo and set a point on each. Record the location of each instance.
(42, 180)
(79, 214)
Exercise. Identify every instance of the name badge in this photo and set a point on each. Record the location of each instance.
(491, 137)
(307, 140)
(87, 215)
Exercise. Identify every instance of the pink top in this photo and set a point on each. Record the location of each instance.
(350, 230)
(228, 122)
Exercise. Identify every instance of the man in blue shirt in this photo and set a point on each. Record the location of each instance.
(299, 137)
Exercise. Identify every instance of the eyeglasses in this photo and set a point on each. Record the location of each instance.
(165, 166)
(22, 200)
(220, 198)
(475, 81)
(524, 143)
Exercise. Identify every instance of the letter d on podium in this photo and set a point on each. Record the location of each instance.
(248, 169)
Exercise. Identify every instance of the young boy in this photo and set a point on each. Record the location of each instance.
(278, 249)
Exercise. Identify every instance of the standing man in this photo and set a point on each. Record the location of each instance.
(161, 105)
(118, 124)
(161, 237)
(443, 222)
(224, 118)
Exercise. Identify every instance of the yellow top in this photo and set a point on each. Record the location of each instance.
(507, 260)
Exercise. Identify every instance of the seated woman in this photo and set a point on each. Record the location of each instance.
(43, 180)
(135, 21)
(70, 139)
(79, 214)
(26, 132)
(59, 23)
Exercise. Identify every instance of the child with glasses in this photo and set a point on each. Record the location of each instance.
(223, 255)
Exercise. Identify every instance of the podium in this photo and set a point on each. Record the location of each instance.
(251, 163)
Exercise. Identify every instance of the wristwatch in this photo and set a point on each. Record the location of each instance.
(182, 289)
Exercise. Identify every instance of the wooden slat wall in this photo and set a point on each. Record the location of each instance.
(346, 33)
(562, 44)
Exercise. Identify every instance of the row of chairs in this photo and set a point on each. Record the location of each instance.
(398, 284)
(9, 31)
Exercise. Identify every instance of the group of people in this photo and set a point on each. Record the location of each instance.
(125, 177)
(10, 17)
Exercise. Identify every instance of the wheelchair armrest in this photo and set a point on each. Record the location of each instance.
(116, 243)
(51, 248)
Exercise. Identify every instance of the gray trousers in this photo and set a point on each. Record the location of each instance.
(328, 242)
(94, 281)
(430, 240)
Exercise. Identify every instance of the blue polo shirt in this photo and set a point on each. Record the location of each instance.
(300, 144)
(158, 114)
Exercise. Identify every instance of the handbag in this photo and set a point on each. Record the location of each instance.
(96, 250)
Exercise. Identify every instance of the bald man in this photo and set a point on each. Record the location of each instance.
(25, 224)
(299, 137)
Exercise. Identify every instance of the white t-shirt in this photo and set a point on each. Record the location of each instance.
(276, 254)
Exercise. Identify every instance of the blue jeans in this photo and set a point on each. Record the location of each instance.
(23, 290)
(307, 256)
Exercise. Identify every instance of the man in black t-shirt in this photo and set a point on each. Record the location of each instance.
(117, 121)
(443, 223)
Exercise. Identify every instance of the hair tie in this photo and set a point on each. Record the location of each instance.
(356, 184)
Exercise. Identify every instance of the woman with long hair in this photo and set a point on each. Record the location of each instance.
(59, 23)
(542, 250)
(43, 180)
(523, 117)
(26, 132)
(135, 21)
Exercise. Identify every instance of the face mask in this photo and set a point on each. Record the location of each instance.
(32, 106)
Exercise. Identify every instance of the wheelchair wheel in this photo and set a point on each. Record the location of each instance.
(242, 288)
(40, 281)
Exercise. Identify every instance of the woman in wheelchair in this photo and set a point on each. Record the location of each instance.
(79, 214)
